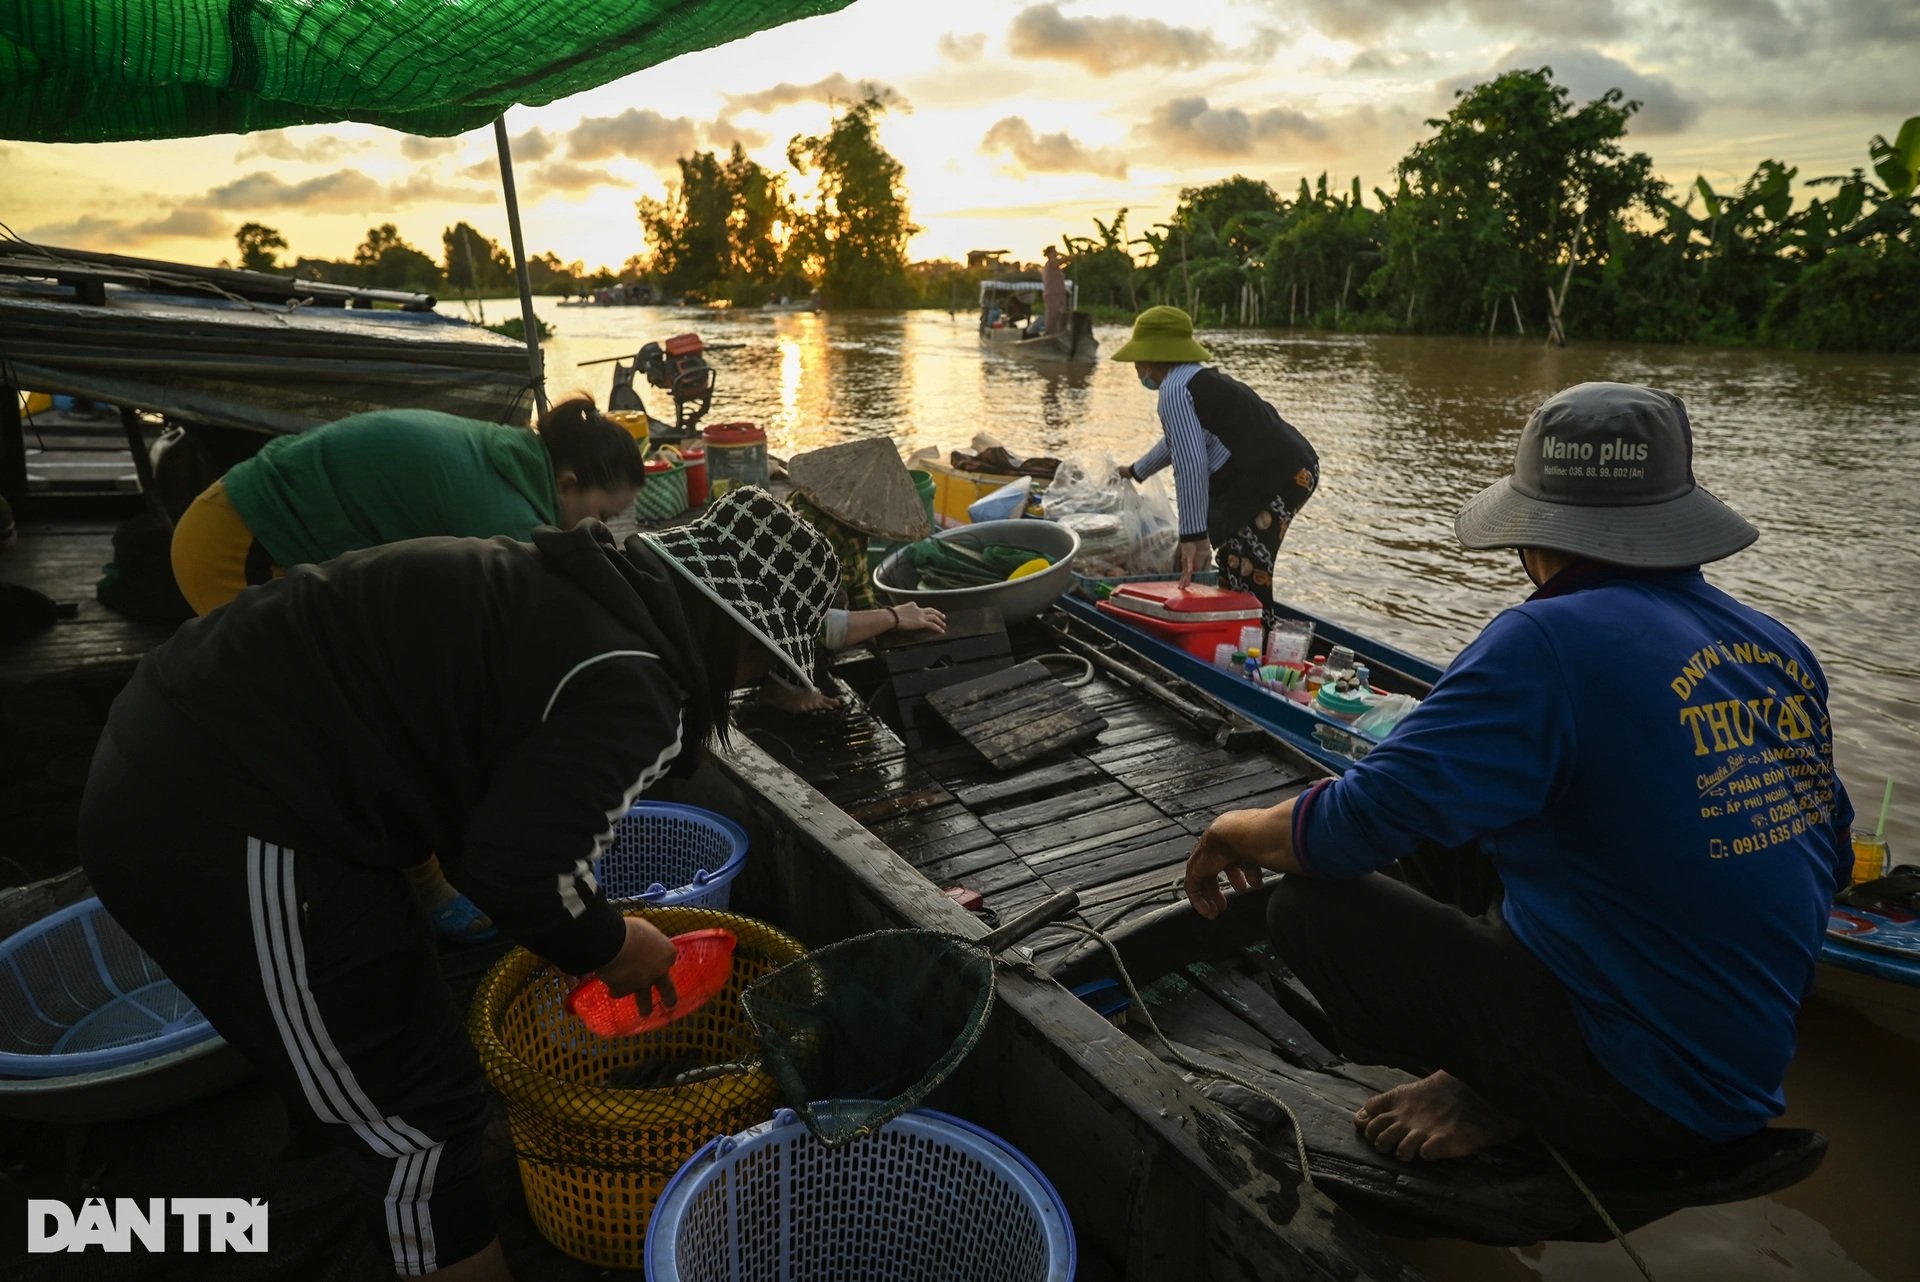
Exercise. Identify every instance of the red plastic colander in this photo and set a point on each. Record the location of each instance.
(702, 965)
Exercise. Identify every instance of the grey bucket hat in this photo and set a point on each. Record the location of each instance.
(1605, 470)
(774, 574)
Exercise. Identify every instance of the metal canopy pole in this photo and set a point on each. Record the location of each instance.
(528, 323)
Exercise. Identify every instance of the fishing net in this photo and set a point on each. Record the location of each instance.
(89, 71)
(858, 1032)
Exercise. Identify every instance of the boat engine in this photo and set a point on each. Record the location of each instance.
(679, 367)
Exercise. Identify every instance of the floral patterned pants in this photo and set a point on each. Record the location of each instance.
(1246, 559)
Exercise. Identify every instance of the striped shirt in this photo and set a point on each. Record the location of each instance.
(1196, 453)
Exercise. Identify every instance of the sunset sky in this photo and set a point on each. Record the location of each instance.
(1019, 121)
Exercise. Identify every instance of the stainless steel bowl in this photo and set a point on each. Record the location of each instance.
(898, 580)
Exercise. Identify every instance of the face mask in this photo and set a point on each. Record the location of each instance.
(1147, 380)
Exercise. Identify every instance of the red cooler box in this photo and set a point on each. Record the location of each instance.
(1196, 618)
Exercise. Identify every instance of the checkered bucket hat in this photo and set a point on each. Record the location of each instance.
(774, 574)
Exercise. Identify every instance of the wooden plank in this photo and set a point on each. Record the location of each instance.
(1058, 809)
(1105, 824)
(1253, 1001)
(1003, 789)
(959, 868)
(954, 703)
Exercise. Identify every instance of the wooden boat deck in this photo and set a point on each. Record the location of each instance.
(1113, 819)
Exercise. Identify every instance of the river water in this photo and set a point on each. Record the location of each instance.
(1820, 452)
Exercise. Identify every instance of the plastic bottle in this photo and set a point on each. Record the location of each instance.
(1360, 675)
(1316, 676)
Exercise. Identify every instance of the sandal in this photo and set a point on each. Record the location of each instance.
(460, 921)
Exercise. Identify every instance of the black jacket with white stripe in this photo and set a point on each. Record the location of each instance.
(492, 702)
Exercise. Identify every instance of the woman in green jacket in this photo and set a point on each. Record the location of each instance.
(388, 475)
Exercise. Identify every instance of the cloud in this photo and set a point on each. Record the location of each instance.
(1358, 20)
(1104, 46)
(1050, 153)
(426, 189)
(346, 190)
(1390, 62)
(639, 133)
(182, 222)
(1587, 75)
(282, 144)
(342, 189)
(722, 134)
(564, 175)
(834, 88)
(957, 48)
(1188, 127)
(85, 227)
(534, 145)
(414, 147)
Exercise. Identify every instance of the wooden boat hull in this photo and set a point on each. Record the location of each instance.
(1158, 1180)
(1077, 346)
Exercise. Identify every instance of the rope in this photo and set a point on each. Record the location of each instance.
(1181, 1057)
(1598, 1209)
(1080, 659)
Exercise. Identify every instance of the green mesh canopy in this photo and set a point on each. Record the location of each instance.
(114, 71)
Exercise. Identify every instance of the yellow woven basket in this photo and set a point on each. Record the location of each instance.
(595, 1154)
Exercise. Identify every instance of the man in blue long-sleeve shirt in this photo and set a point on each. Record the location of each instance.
(1614, 828)
(1241, 473)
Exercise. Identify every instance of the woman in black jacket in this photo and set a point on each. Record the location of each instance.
(271, 771)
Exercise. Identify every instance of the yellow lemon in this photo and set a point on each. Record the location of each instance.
(1034, 566)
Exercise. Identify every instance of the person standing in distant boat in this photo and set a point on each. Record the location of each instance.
(1582, 888)
(1053, 289)
(1241, 473)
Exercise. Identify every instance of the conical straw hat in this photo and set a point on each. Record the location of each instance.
(863, 484)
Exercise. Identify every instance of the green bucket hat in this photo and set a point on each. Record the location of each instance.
(1162, 334)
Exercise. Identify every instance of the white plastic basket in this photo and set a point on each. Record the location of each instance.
(928, 1197)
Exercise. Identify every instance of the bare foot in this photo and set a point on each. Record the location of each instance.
(1436, 1117)
(788, 699)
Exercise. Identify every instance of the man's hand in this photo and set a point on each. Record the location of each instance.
(1195, 556)
(915, 617)
(1243, 844)
(642, 962)
(1124, 473)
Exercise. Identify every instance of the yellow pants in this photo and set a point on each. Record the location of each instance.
(210, 547)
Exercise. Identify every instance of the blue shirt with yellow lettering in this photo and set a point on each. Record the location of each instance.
(1649, 765)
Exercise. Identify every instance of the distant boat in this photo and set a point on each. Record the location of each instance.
(811, 303)
(1008, 325)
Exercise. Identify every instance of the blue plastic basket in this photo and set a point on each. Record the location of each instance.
(928, 1197)
(77, 995)
(673, 856)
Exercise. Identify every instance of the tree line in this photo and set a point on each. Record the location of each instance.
(1524, 214)
(470, 266)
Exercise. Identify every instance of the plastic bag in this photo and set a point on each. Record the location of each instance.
(1148, 529)
(1378, 721)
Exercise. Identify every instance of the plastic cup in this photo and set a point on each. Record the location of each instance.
(1249, 639)
(1223, 655)
(1869, 856)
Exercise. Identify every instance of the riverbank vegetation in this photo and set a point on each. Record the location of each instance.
(1523, 213)
(1520, 213)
